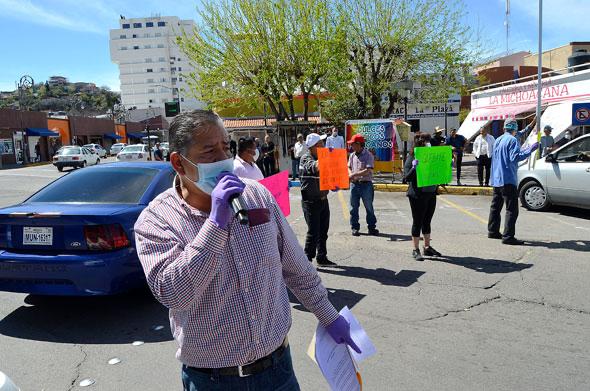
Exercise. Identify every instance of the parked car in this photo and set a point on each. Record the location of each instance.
(75, 236)
(116, 148)
(98, 149)
(134, 152)
(76, 157)
(561, 178)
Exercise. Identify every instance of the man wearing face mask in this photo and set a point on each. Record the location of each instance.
(335, 141)
(505, 157)
(245, 161)
(224, 282)
(360, 172)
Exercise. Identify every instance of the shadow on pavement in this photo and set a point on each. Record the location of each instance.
(572, 212)
(391, 237)
(118, 319)
(403, 278)
(576, 245)
(338, 297)
(491, 266)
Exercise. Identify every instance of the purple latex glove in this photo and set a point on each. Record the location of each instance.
(227, 186)
(415, 163)
(339, 330)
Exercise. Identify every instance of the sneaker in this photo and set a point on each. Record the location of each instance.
(356, 232)
(374, 232)
(417, 256)
(494, 235)
(431, 252)
(326, 262)
(513, 241)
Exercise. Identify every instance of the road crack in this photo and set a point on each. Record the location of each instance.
(78, 367)
(486, 301)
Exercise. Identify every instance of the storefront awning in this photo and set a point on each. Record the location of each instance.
(41, 132)
(470, 126)
(135, 135)
(113, 136)
(501, 112)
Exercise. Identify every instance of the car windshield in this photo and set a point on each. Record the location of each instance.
(89, 146)
(134, 148)
(113, 185)
(70, 151)
(117, 145)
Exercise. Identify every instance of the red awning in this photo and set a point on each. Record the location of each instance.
(501, 112)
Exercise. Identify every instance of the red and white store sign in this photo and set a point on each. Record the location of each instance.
(509, 101)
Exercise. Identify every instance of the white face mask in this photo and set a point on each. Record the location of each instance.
(208, 173)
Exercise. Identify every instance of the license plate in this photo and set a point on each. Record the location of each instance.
(38, 236)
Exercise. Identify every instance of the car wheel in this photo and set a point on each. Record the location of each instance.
(60, 168)
(83, 164)
(534, 197)
(97, 161)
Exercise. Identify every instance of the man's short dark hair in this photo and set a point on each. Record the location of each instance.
(184, 126)
(246, 143)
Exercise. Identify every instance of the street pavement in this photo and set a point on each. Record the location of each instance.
(485, 317)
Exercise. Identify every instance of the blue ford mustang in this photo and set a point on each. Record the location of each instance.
(75, 236)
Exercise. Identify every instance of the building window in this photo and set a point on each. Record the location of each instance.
(179, 69)
(151, 91)
(163, 79)
(135, 47)
(161, 45)
(149, 24)
(136, 25)
(126, 25)
(149, 80)
(158, 34)
(151, 101)
(123, 47)
(150, 70)
(146, 35)
(173, 69)
(147, 46)
(161, 24)
(122, 36)
(162, 69)
(148, 60)
(178, 59)
(180, 79)
(182, 99)
(173, 80)
(161, 59)
(134, 35)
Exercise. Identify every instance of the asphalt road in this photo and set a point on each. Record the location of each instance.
(486, 317)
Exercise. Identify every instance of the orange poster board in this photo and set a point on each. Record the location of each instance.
(333, 169)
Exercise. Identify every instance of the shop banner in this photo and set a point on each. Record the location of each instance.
(380, 136)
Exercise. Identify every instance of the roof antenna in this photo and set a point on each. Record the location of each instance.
(507, 25)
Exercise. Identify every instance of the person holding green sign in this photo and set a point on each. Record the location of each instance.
(422, 201)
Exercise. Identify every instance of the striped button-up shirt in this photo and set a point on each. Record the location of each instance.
(226, 288)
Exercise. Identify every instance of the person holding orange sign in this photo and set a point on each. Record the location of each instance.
(316, 208)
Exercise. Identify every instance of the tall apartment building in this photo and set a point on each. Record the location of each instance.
(151, 65)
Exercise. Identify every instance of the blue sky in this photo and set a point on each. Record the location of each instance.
(70, 37)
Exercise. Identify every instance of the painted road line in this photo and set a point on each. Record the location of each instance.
(463, 210)
(567, 223)
(345, 212)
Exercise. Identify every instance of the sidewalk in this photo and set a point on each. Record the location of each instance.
(15, 166)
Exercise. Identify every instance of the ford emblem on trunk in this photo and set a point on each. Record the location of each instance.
(75, 244)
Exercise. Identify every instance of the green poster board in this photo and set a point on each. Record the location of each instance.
(434, 167)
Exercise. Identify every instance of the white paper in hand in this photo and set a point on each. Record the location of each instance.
(335, 362)
(359, 336)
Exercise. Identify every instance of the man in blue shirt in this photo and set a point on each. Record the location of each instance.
(505, 158)
(458, 142)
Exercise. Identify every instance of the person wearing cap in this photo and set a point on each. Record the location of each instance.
(335, 141)
(360, 171)
(547, 141)
(245, 161)
(483, 146)
(458, 142)
(158, 154)
(316, 208)
(437, 138)
(505, 157)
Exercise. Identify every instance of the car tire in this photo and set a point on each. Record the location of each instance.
(97, 161)
(83, 164)
(60, 168)
(534, 197)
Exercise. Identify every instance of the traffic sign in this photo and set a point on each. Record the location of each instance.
(580, 114)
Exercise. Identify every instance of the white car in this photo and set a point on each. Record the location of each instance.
(560, 178)
(116, 148)
(77, 157)
(96, 148)
(134, 153)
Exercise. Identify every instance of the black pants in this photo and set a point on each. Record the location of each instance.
(458, 163)
(317, 217)
(484, 162)
(260, 165)
(423, 208)
(507, 194)
(269, 165)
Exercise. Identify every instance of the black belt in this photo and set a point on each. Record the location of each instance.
(249, 369)
(358, 182)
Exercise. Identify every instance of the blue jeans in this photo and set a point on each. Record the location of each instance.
(279, 377)
(294, 168)
(362, 191)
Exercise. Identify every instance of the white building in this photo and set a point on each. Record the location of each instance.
(151, 65)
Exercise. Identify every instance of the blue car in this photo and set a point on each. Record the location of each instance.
(75, 236)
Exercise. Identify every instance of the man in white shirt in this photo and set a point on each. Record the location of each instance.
(245, 161)
(335, 141)
(483, 146)
(299, 149)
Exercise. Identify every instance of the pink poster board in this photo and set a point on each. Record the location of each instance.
(278, 185)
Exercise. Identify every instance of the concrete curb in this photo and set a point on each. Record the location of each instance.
(457, 190)
(16, 166)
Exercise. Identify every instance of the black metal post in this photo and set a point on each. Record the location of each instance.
(406, 121)
(446, 130)
(147, 129)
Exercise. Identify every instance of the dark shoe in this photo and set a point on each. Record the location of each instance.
(480, 184)
(356, 232)
(494, 235)
(374, 232)
(459, 183)
(326, 262)
(417, 256)
(513, 241)
(431, 252)
(487, 185)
